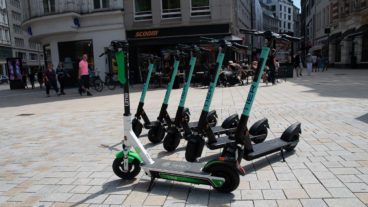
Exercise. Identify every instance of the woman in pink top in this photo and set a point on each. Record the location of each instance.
(83, 76)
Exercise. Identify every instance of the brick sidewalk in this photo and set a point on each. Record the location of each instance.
(59, 155)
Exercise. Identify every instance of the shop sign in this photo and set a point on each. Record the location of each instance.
(148, 33)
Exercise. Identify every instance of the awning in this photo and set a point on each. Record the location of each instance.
(335, 36)
(348, 32)
(360, 31)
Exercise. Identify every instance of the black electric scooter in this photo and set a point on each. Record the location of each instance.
(173, 137)
(141, 114)
(287, 141)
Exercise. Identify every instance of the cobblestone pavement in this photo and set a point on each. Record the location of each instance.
(60, 151)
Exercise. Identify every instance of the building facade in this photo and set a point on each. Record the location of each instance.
(154, 25)
(5, 41)
(68, 29)
(337, 30)
(22, 47)
(284, 9)
(271, 21)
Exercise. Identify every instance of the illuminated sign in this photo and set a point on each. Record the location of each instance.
(149, 33)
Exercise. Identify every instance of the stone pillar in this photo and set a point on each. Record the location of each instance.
(156, 13)
(345, 51)
(358, 48)
(185, 7)
(331, 52)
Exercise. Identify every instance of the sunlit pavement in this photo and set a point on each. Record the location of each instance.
(58, 151)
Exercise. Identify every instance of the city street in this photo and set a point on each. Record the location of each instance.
(58, 151)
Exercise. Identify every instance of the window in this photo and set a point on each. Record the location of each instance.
(16, 16)
(17, 29)
(101, 4)
(142, 10)
(289, 26)
(22, 55)
(201, 8)
(289, 17)
(49, 6)
(280, 8)
(171, 8)
(365, 48)
(33, 56)
(289, 10)
(19, 42)
(15, 3)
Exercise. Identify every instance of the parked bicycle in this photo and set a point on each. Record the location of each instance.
(110, 81)
(95, 81)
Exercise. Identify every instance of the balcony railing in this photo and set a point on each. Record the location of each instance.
(201, 11)
(171, 13)
(143, 16)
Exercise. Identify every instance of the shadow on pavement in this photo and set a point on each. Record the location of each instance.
(363, 118)
(15, 98)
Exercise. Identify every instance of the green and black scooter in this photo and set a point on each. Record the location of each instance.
(288, 140)
(174, 132)
(141, 114)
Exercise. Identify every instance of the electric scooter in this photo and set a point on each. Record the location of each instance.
(287, 141)
(222, 174)
(172, 139)
(141, 114)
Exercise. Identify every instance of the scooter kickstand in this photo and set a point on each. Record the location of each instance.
(151, 184)
(282, 155)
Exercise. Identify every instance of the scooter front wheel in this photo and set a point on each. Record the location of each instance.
(156, 134)
(172, 140)
(231, 177)
(133, 169)
(137, 127)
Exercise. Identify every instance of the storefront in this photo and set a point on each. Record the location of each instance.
(154, 41)
(5, 52)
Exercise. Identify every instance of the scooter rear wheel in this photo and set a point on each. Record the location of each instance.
(133, 170)
(137, 127)
(292, 146)
(231, 177)
(264, 132)
(156, 134)
(172, 140)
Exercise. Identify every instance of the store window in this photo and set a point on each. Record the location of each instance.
(170, 8)
(101, 4)
(365, 48)
(19, 42)
(142, 10)
(49, 6)
(200, 8)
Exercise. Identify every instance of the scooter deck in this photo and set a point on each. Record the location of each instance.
(265, 148)
(162, 168)
(220, 143)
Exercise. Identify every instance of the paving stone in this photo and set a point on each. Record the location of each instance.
(284, 184)
(295, 193)
(332, 183)
(289, 203)
(115, 199)
(273, 194)
(242, 204)
(316, 191)
(265, 203)
(344, 202)
(259, 185)
(357, 187)
(57, 197)
(251, 194)
(340, 192)
(313, 203)
(363, 197)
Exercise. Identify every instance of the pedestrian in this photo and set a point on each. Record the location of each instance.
(319, 63)
(296, 64)
(31, 77)
(61, 76)
(40, 77)
(325, 64)
(309, 61)
(83, 76)
(271, 63)
(50, 80)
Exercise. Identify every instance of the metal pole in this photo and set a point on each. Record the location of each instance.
(251, 27)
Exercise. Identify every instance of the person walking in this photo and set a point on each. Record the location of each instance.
(24, 77)
(50, 80)
(271, 63)
(309, 61)
(31, 77)
(83, 76)
(61, 76)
